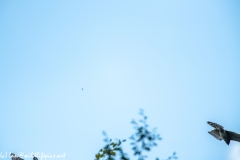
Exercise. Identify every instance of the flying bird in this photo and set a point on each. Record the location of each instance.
(221, 134)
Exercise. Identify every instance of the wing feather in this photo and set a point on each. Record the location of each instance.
(214, 125)
(215, 133)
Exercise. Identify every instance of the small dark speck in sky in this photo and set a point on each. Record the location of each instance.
(82, 88)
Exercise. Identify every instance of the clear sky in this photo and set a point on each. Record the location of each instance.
(179, 60)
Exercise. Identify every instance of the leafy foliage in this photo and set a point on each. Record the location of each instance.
(142, 141)
(109, 151)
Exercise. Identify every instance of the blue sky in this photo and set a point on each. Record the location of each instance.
(178, 60)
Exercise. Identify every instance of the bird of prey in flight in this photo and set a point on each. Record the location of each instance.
(221, 134)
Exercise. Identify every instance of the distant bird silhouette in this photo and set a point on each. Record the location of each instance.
(221, 134)
(82, 88)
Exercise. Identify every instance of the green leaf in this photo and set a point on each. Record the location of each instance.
(119, 143)
(112, 153)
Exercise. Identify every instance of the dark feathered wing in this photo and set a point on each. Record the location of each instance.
(215, 125)
(233, 136)
(215, 133)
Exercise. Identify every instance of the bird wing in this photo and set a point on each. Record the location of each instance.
(215, 125)
(233, 136)
(215, 133)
